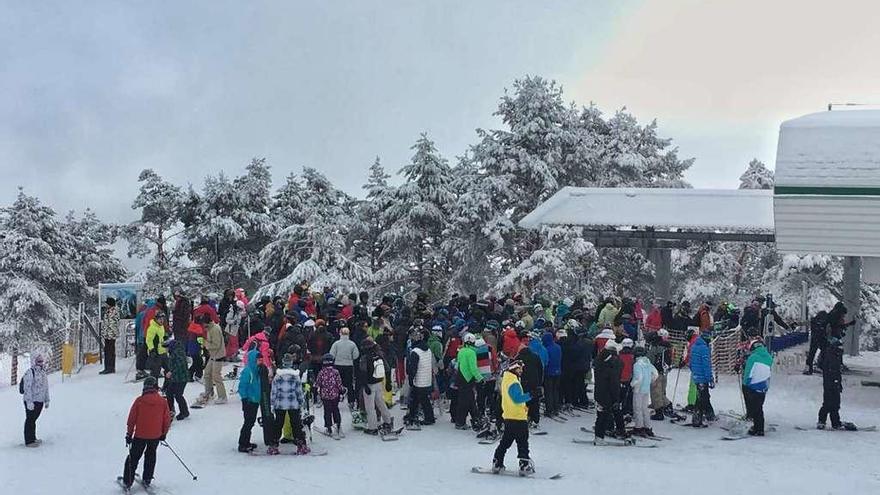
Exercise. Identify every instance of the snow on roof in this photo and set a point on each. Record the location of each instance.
(693, 209)
(836, 149)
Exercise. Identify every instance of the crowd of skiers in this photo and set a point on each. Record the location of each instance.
(496, 365)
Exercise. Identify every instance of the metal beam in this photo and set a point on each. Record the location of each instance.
(662, 259)
(681, 236)
(623, 242)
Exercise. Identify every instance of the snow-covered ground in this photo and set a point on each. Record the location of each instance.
(84, 450)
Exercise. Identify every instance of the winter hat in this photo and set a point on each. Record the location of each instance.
(111, 301)
(627, 343)
(39, 360)
(150, 383)
(663, 333)
(520, 324)
(515, 366)
(309, 323)
(561, 333)
(538, 308)
(468, 338)
(492, 324)
(287, 360)
(640, 351)
(480, 342)
(329, 358)
(612, 345)
(437, 329)
(568, 302)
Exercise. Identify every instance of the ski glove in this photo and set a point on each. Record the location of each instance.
(127, 440)
(367, 390)
(388, 386)
(29, 406)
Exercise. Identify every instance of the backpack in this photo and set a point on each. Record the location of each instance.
(378, 368)
(21, 382)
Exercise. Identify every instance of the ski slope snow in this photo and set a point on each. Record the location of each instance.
(84, 430)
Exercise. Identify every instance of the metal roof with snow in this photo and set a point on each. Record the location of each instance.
(701, 210)
(827, 194)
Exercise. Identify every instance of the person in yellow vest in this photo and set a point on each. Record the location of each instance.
(157, 353)
(516, 420)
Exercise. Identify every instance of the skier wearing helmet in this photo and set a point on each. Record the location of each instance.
(516, 426)
(467, 377)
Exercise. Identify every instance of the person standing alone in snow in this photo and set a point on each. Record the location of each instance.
(35, 387)
(148, 422)
(756, 378)
(109, 331)
(516, 421)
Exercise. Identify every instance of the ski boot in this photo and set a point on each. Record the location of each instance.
(658, 416)
(497, 466)
(846, 425)
(755, 433)
(302, 448)
(526, 467)
(246, 449)
(272, 451)
(599, 441)
(820, 425)
(181, 416)
(336, 432)
(370, 431)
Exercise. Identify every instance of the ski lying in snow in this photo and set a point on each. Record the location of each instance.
(557, 419)
(537, 432)
(489, 441)
(413, 428)
(854, 427)
(482, 470)
(614, 443)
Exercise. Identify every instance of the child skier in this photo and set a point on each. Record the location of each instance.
(176, 378)
(703, 378)
(287, 399)
(832, 384)
(627, 359)
(35, 387)
(756, 377)
(148, 422)
(516, 421)
(331, 391)
(644, 375)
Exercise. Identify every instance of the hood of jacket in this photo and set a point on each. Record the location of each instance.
(547, 339)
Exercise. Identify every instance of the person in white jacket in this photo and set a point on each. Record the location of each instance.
(420, 370)
(345, 353)
(644, 374)
(35, 389)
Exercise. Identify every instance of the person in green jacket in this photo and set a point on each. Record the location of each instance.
(755, 383)
(468, 375)
(176, 378)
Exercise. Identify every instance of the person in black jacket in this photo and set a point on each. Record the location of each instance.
(832, 384)
(531, 379)
(576, 354)
(818, 339)
(667, 315)
(607, 392)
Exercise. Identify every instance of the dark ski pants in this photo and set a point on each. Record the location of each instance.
(755, 407)
(604, 421)
(331, 413)
(140, 447)
(156, 363)
(110, 355)
(815, 346)
(30, 422)
(140, 356)
(579, 389)
(485, 390)
(420, 398)
(466, 404)
(626, 398)
(551, 395)
(831, 405)
(514, 431)
(249, 409)
(703, 406)
(197, 366)
(299, 437)
(347, 375)
(174, 393)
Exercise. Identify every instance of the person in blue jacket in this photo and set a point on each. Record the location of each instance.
(552, 372)
(703, 378)
(537, 347)
(250, 391)
(140, 341)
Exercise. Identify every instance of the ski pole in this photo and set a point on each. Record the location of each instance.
(165, 444)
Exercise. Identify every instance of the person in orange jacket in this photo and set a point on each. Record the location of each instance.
(148, 422)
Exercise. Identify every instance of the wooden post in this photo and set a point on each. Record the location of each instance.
(14, 377)
(662, 259)
(852, 282)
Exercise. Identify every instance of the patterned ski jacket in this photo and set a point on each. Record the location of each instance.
(110, 323)
(329, 383)
(287, 391)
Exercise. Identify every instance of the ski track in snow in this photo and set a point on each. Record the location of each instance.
(84, 451)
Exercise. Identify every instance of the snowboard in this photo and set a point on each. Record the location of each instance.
(614, 443)
(736, 437)
(392, 435)
(872, 428)
(482, 470)
(314, 453)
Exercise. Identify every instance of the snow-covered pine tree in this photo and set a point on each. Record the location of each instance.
(756, 176)
(92, 252)
(371, 221)
(316, 248)
(417, 216)
(38, 273)
(228, 225)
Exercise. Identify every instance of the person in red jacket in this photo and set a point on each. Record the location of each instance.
(510, 341)
(148, 422)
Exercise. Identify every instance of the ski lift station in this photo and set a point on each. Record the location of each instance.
(826, 201)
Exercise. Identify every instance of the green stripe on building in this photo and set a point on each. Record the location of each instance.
(827, 191)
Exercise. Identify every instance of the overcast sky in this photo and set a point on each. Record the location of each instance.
(93, 92)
